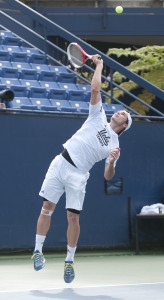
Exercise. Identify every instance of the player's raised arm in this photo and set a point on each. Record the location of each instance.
(96, 80)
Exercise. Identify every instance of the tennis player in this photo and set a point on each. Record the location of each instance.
(69, 171)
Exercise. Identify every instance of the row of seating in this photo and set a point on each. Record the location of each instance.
(58, 105)
(31, 74)
(23, 57)
(35, 66)
(8, 82)
(52, 93)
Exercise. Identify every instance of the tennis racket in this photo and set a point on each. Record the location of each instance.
(76, 55)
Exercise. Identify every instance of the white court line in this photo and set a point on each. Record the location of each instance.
(86, 287)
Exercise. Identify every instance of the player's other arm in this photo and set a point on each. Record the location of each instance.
(109, 170)
(96, 80)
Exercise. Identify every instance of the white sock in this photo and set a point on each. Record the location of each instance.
(70, 253)
(39, 241)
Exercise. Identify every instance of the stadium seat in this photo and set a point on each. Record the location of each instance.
(40, 67)
(4, 55)
(10, 40)
(21, 65)
(22, 103)
(43, 104)
(75, 95)
(49, 85)
(29, 83)
(112, 108)
(37, 92)
(80, 106)
(62, 105)
(11, 48)
(66, 77)
(30, 50)
(58, 69)
(2, 86)
(10, 81)
(57, 94)
(4, 33)
(19, 91)
(9, 73)
(37, 58)
(28, 74)
(84, 87)
(19, 56)
(68, 86)
(47, 76)
(5, 64)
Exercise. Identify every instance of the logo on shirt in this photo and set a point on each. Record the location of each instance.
(103, 137)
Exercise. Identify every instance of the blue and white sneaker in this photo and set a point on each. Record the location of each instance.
(39, 260)
(69, 273)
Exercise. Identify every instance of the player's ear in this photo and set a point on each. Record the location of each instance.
(125, 125)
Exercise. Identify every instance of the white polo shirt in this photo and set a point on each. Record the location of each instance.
(93, 141)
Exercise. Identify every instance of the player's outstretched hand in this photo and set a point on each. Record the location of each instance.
(97, 59)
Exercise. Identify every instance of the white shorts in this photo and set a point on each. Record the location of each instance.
(63, 177)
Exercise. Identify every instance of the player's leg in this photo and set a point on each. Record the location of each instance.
(52, 189)
(75, 194)
(73, 232)
(43, 225)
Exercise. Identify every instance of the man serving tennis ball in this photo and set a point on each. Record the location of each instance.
(69, 171)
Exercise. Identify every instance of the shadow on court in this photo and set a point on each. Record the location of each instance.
(71, 294)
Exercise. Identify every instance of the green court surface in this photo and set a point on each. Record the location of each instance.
(99, 276)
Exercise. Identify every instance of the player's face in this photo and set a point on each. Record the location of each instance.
(120, 117)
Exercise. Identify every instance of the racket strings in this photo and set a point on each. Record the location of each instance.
(76, 56)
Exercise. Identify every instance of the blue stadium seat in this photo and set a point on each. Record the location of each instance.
(112, 108)
(2, 86)
(84, 87)
(5, 64)
(37, 92)
(75, 95)
(68, 86)
(58, 69)
(11, 49)
(4, 55)
(62, 105)
(10, 81)
(4, 33)
(22, 103)
(43, 104)
(57, 94)
(47, 76)
(10, 40)
(28, 74)
(19, 91)
(87, 96)
(49, 85)
(21, 65)
(30, 50)
(29, 83)
(37, 58)
(40, 67)
(66, 77)
(80, 106)
(19, 56)
(9, 72)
